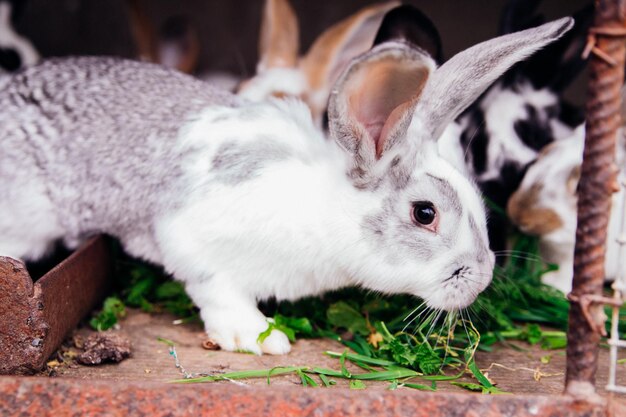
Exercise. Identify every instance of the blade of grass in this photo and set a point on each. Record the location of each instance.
(327, 382)
(386, 375)
(480, 377)
(306, 380)
(355, 357)
(342, 361)
(257, 373)
(417, 386)
(326, 372)
(166, 341)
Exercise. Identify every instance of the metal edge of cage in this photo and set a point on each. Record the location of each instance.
(619, 290)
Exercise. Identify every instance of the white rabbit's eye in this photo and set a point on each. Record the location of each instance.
(424, 213)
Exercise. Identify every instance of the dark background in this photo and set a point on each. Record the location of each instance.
(229, 29)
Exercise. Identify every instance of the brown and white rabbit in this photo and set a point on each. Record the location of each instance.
(244, 201)
(176, 44)
(545, 206)
(281, 72)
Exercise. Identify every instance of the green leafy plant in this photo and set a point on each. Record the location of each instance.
(288, 325)
(143, 286)
(112, 310)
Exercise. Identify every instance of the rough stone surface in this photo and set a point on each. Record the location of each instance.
(43, 396)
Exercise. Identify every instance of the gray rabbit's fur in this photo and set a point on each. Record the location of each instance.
(50, 114)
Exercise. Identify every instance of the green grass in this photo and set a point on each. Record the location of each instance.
(143, 286)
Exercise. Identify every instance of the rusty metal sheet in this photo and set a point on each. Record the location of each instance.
(34, 318)
(44, 396)
(22, 328)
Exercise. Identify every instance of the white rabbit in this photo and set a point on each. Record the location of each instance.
(244, 201)
(15, 50)
(545, 206)
(281, 72)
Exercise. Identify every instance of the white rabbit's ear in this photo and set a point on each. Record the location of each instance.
(371, 106)
(5, 14)
(280, 36)
(333, 50)
(459, 82)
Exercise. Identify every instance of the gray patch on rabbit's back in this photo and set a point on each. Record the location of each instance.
(236, 162)
(105, 129)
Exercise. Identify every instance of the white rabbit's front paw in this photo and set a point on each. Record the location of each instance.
(276, 343)
(242, 334)
(233, 321)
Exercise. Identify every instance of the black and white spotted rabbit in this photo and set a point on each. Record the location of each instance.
(506, 128)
